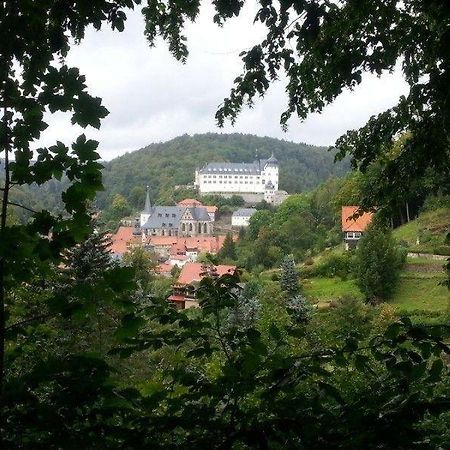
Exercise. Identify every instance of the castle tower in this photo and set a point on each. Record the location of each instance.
(147, 212)
(270, 171)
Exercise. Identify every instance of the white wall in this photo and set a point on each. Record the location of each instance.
(240, 221)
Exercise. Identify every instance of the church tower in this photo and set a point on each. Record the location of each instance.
(147, 212)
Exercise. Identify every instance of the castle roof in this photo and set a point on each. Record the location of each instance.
(253, 168)
(272, 160)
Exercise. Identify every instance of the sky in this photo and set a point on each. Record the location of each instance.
(154, 98)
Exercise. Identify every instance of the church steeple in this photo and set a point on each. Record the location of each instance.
(148, 205)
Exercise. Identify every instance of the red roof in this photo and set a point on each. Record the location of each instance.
(164, 268)
(192, 272)
(351, 224)
(190, 202)
(179, 244)
(194, 202)
(177, 298)
(121, 240)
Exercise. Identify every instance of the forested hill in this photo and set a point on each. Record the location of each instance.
(164, 165)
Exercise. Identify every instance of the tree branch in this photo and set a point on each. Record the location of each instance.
(23, 207)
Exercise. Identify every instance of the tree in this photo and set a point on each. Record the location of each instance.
(299, 309)
(289, 278)
(228, 250)
(120, 207)
(378, 263)
(260, 219)
(339, 42)
(91, 258)
(143, 262)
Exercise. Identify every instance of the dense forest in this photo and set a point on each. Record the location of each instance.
(165, 165)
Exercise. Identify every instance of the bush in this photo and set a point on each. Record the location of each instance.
(333, 264)
(378, 263)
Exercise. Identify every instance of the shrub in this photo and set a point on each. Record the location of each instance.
(378, 263)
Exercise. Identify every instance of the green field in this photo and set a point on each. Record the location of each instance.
(418, 293)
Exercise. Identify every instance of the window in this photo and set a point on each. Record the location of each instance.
(159, 215)
(167, 215)
(174, 215)
(190, 227)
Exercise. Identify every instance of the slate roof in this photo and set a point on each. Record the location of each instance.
(170, 216)
(358, 224)
(244, 212)
(253, 168)
(199, 213)
(164, 217)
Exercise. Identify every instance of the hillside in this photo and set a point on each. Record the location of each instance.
(427, 233)
(165, 165)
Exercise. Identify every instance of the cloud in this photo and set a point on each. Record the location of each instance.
(152, 97)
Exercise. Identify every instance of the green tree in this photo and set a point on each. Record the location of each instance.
(289, 279)
(143, 262)
(120, 207)
(258, 220)
(228, 250)
(378, 263)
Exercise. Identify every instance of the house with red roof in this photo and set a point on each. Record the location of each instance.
(354, 225)
(122, 240)
(184, 290)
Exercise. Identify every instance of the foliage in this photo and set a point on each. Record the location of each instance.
(143, 262)
(299, 309)
(289, 282)
(339, 42)
(378, 263)
(331, 264)
(228, 250)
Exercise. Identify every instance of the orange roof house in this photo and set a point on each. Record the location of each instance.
(122, 239)
(354, 227)
(191, 274)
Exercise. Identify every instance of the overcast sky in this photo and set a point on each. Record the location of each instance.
(152, 97)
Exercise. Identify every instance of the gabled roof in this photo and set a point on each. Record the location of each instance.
(194, 272)
(244, 212)
(190, 202)
(164, 217)
(358, 224)
(121, 240)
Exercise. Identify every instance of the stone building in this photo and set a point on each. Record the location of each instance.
(173, 220)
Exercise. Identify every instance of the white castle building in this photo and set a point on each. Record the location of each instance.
(258, 177)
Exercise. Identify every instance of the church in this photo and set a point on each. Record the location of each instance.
(173, 220)
(259, 177)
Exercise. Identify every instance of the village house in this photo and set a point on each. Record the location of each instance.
(184, 290)
(241, 217)
(122, 240)
(353, 227)
(168, 246)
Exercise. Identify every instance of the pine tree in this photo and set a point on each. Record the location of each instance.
(228, 250)
(299, 309)
(91, 258)
(289, 277)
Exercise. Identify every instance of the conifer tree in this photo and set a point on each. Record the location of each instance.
(228, 250)
(299, 309)
(289, 277)
(91, 258)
